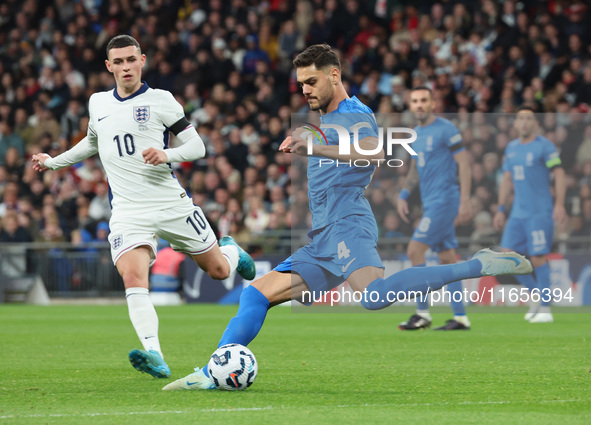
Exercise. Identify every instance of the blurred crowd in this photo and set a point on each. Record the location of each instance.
(229, 64)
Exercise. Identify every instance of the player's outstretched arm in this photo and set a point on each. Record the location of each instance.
(368, 144)
(504, 190)
(191, 148)
(286, 145)
(84, 149)
(299, 145)
(465, 177)
(412, 179)
(559, 215)
(39, 161)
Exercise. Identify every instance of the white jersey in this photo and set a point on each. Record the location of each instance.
(121, 129)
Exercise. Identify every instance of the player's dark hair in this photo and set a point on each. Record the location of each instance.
(319, 55)
(417, 88)
(120, 41)
(525, 108)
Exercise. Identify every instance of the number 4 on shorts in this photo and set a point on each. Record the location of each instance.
(342, 250)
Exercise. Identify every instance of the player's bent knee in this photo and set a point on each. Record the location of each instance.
(219, 272)
(264, 289)
(277, 289)
(132, 278)
(415, 256)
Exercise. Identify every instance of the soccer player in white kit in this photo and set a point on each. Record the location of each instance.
(129, 128)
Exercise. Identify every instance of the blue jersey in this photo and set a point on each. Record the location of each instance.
(336, 190)
(436, 145)
(530, 165)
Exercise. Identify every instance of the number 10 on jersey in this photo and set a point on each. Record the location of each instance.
(128, 144)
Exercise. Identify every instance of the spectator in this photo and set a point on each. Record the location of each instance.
(100, 205)
(22, 127)
(46, 124)
(9, 199)
(257, 219)
(391, 227)
(483, 230)
(70, 121)
(9, 139)
(102, 231)
(12, 232)
(253, 55)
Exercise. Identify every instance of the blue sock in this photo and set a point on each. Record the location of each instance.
(543, 279)
(526, 280)
(422, 302)
(417, 280)
(247, 323)
(457, 303)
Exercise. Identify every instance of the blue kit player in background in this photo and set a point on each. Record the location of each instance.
(344, 235)
(441, 159)
(529, 162)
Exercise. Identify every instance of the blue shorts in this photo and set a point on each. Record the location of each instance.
(335, 252)
(437, 228)
(532, 236)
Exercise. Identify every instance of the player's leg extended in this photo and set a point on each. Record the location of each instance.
(515, 239)
(542, 272)
(187, 230)
(529, 281)
(460, 320)
(217, 264)
(220, 261)
(422, 318)
(411, 282)
(540, 231)
(270, 290)
(134, 269)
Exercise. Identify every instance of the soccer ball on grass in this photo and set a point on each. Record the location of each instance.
(232, 367)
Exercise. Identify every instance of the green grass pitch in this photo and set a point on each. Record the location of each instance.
(68, 365)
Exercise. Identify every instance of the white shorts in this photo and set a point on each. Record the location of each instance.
(184, 226)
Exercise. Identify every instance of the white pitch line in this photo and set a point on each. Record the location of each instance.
(250, 409)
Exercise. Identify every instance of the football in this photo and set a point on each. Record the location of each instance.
(233, 367)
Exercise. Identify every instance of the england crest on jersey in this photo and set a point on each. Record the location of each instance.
(117, 241)
(141, 114)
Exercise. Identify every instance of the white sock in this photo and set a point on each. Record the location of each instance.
(463, 320)
(231, 255)
(424, 314)
(143, 318)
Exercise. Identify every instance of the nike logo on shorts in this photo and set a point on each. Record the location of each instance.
(344, 268)
(100, 119)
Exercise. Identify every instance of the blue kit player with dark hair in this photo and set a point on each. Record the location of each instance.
(344, 235)
(441, 157)
(529, 162)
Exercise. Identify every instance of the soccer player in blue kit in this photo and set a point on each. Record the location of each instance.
(344, 235)
(529, 161)
(440, 158)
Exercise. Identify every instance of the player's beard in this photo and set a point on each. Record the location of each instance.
(526, 134)
(422, 117)
(323, 100)
(321, 106)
